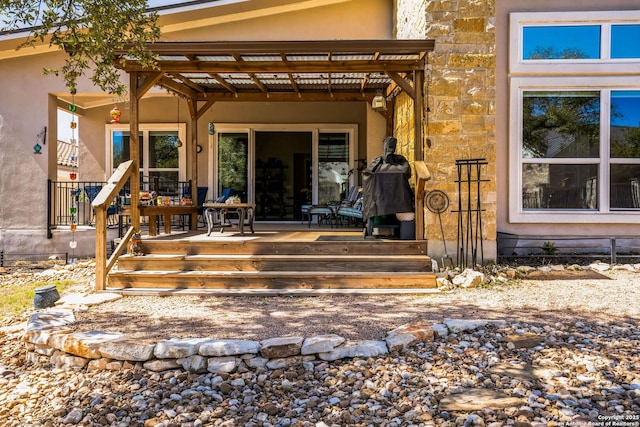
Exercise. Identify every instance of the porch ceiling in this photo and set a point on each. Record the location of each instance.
(338, 70)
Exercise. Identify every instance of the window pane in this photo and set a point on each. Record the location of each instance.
(624, 41)
(561, 125)
(121, 153)
(551, 186)
(625, 186)
(232, 163)
(163, 149)
(561, 42)
(333, 167)
(166, 183)
(625, 124)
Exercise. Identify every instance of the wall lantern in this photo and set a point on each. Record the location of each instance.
(379, 103)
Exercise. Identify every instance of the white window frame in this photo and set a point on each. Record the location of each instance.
(145, 128)
(603, 215)
(315, 130)
(603, 75)
(604, 64)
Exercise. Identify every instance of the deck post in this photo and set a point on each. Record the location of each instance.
(101, 248)
(134, 149)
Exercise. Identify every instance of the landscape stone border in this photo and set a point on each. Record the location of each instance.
(49, 339)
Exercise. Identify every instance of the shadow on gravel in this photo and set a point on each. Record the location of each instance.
(255, 318)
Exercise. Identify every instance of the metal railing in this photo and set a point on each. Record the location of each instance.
(63, 196)
(567, 249)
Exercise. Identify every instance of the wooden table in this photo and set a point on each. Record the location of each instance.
(166, 211)
(245, 211)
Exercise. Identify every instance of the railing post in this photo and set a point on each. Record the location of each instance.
(49, 203)
(614, 257)
(101, 248)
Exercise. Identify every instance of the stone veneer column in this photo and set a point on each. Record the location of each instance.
(460, 94)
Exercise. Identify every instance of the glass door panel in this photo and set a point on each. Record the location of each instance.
(232, 163)
(333, 167)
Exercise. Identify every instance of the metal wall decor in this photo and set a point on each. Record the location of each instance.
(41, 139)
(470, 212)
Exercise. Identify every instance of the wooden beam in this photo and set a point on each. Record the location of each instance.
(277, 67)
(192, 165)
(176, 87)
(204, 108)
(145, 85)
(418, 114)
(202, 48)
(187, 82)
(258, 83)
(403, 83)
(311, 96)
(224, 83)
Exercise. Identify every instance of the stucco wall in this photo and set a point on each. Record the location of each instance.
(460, 97)
(25, 109)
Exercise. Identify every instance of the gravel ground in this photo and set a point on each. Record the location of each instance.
(580, 370)
(561, 296)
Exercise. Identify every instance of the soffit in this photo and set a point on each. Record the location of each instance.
(282, 70)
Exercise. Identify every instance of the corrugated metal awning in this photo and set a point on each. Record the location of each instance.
(283, 70)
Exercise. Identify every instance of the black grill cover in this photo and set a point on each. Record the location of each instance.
(385, 187)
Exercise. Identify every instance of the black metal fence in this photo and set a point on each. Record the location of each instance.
(69, 202)
(533, 250)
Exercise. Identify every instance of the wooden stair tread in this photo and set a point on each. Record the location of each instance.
(161, 273)
(272, 292)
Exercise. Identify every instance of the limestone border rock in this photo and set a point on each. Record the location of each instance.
(48, 339)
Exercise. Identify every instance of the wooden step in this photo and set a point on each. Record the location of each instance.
(247, 292)
(122, 279)
(250, 262)
(261, 247)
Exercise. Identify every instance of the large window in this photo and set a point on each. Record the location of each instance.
(162, 154)
(575, 117)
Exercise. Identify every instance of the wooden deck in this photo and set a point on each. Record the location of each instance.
(278, 259)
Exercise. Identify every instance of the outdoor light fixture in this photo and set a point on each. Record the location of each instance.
(379, 103)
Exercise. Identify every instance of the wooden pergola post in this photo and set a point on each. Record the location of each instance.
(420, 167)
(134, 150)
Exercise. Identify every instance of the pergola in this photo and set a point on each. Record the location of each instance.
(292, 71)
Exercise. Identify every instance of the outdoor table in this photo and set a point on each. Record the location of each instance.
(245, 211)
(166, 211)
(328, 212)
(154, 211)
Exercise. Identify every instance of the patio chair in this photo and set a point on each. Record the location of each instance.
(202, 196)
(226, 193)
(112, 211)
(351, 212)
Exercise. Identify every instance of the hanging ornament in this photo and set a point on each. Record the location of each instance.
(73, 210)
(37, 149)
(115, 115)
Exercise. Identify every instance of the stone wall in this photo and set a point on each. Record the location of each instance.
(460, 99)
(49, 339)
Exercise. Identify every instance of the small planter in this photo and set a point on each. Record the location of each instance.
(45, 296)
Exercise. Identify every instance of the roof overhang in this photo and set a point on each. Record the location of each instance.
(315, 70)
